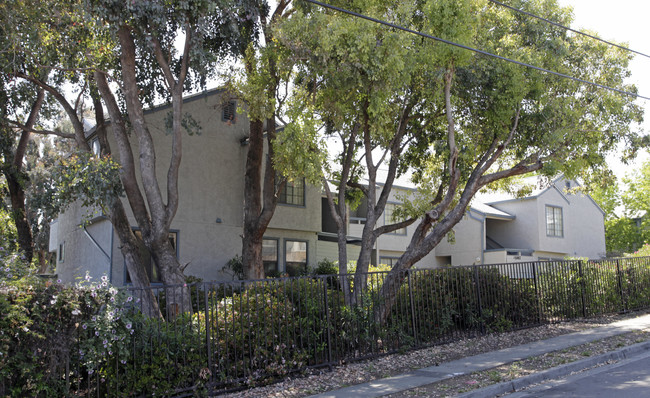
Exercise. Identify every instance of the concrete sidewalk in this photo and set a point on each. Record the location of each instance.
(493, 359)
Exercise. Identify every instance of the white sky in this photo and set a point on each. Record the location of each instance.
(623, 21)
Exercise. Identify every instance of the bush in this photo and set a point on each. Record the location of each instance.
(644, 251)
(47, 328)
(326, 267)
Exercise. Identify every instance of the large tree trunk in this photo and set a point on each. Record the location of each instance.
(251, 238)
(15, 181)
(19, 213)
(133, 262)
(177, 292)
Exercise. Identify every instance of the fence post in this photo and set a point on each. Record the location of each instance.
(582, 289)
(620, 285)
(539, 301)
(478, 299)
(327, 321)
(410, 286)
(206, 309)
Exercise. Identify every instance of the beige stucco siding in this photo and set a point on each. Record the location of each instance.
(330, 251)
(465, 244)
(520, 233)
(585, 227)
(80, 254)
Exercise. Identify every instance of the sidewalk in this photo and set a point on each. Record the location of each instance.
(490, 360)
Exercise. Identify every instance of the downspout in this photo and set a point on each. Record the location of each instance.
(482, 221)
(110, 257)
(102, 250)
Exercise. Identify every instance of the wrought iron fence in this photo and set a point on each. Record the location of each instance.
(235, 334)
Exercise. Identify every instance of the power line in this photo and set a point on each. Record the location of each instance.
(567, 28)
(415, 32)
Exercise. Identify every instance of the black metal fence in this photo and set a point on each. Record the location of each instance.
(241, 333)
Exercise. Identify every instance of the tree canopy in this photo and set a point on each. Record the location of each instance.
(461, 120)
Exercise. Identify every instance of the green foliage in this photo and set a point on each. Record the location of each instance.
(623, 235)
(47, 328)
(630, 229)
(177, 359)
(644, 251)
(93, 180)
(13, 266)
(236, 266)
(326, 267)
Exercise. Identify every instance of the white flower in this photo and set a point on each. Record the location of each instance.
(76, 312)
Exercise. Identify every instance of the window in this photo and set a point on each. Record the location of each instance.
(61, 252)
(293, 193)
(295, 257)
(390, 261)
(229, 112)
(270, 256)
(145, 255)
(554, 225)
(389, 218)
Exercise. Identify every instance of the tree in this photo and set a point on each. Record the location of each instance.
(275, 156)
(627, 226)
(478, 120)
(133, 45)
(13, 154)
(149, 64)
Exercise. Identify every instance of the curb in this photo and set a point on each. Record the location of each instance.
(556, 372)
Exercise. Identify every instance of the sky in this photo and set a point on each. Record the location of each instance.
(621, 21)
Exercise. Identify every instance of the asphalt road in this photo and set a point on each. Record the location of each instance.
(629, 378)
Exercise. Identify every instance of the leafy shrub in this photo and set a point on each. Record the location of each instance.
(644, 251)
(236, 267)
(326, 267)
(48, 328)
(254, 333)
(166, 356)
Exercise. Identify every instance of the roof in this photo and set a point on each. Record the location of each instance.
(491, 212)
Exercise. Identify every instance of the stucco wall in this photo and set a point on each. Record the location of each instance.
(466, 245)
(520, 233)
(80, 254)
(211, 187)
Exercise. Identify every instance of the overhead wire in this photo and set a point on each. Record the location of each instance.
(566, 27)
(476, 50)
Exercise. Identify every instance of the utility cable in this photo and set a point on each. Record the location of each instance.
(428, 36)
(567, 28)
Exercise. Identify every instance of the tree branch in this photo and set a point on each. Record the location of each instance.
(79, 133)
(42, 132)
(384, 229)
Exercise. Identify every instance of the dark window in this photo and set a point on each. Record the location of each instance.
(61, 252)
(145, 255)
(295, 257)
(554, 223)
(270, 256)
(229, 112)
(390, 218)
(390, 261)
(293, 193)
